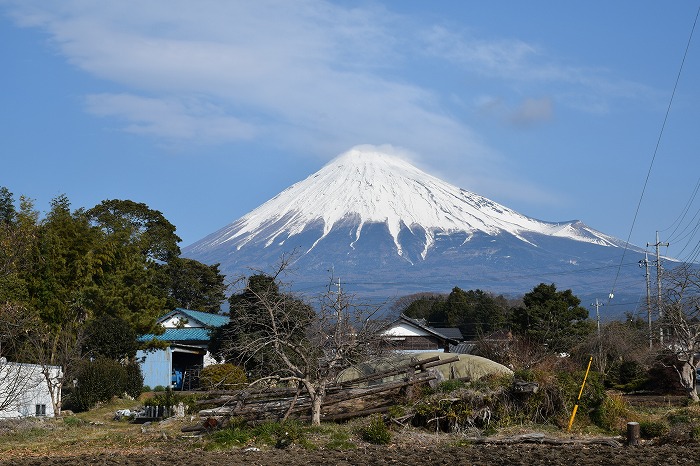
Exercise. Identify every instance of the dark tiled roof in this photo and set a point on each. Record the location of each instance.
(450, 332)
(465, 347)
(420, 323)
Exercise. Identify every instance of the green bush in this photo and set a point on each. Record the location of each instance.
(73, 421)
(376, 432)
(611, 414)
(222, 377)
(101, 379)
(653, 429)
(133, 383)
(447, 386)
(233, 436)
(270, 433)
(494, 402)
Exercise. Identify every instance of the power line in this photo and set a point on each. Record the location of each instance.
(656, 150)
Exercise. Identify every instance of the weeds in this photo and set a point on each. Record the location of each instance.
(376, 431)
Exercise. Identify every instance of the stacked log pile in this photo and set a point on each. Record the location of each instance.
(344, 400)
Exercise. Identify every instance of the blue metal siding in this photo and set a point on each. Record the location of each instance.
(157, 367)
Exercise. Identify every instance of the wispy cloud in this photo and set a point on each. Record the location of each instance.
(527, 67)
(309, 75)
(171, 119)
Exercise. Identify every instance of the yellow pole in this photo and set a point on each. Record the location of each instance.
(573, 413)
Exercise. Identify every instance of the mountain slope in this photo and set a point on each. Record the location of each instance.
(375, 219)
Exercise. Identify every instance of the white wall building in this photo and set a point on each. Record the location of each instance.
(24, 391)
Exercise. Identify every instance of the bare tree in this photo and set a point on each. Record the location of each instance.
(57, 351)
(303, 347)
(617, 343)
(16, 380)
(513, 351)
(681, 321)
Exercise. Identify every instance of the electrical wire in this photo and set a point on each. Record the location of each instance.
(656, 150)
(679, 221)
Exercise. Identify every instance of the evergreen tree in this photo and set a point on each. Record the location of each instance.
(136, 223)
(193, 285)
(7, 206)
(552, 318)
(254, 311)
(474, 312)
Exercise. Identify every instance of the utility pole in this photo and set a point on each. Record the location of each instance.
(599, 342)
(597, 305)
(337, 293)
(645, 264)
(658, 284)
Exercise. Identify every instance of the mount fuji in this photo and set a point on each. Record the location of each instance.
(386, 229)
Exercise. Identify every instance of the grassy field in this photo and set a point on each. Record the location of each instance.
(92, 431)
(97, 432)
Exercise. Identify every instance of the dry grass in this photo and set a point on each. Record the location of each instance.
(95, 431)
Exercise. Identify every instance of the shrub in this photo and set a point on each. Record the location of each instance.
(233, 436)
(72, 421)
(101, 379)
(611, 414)
(653, 429)
(495, 402)
(450, 385)
(376, 432)
(222, 376)
(277, 434)
(133, 384)
(592, 397)
(98, 381)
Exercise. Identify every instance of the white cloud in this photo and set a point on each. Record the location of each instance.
(309, 76)
(524, 66)
(180, 120)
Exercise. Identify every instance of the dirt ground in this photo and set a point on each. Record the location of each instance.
(386, 455)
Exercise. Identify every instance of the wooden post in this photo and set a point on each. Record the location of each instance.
(632, 433)
(411, 376)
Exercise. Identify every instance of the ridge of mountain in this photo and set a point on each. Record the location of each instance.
(377, 187)
(374, 218)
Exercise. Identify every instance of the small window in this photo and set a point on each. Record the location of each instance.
(40, 410)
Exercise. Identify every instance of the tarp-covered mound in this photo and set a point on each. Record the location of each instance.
(468, 367)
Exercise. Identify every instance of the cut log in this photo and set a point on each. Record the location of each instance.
(389, 372)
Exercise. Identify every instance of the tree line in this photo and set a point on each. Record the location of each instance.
(77, 285)
(545, 315)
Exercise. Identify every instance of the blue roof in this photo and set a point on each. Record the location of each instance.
(201, 323)
(179, 334)
(205, 318)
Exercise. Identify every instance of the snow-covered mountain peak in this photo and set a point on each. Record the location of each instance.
(368, 185)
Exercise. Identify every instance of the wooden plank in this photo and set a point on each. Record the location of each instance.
(389, 372)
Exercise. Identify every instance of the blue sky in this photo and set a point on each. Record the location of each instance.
(206, 109)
